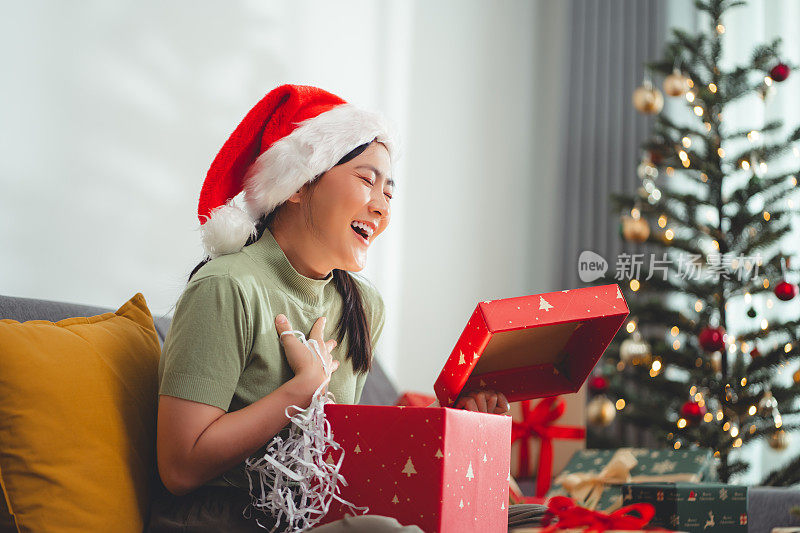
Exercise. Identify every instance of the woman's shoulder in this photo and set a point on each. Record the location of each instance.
(235, 266)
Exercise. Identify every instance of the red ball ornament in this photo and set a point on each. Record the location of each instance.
(692, 411)
(598, 384)
(779, 72)
(712, 339)
(755, 353)
(785, 291)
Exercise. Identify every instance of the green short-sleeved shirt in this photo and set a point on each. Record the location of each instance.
(222, 347)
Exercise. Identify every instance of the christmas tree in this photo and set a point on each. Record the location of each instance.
(704, 358)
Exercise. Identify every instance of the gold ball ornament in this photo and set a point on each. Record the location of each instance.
(715, 361)
(600, 411)
(676, 84)
(635, 229)
(647, 99)
(796, 377)
(635, 351)
(779, 440)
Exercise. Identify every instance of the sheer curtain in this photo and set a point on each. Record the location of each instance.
(760, 21)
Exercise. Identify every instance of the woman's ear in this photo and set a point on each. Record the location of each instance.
(297, 197)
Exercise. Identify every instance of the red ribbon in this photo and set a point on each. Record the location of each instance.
(632, 517)
(537, 422)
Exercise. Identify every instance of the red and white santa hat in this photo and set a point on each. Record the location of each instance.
(292, 135)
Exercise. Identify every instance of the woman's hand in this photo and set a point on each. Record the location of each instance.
(304, 362)
(484, 401)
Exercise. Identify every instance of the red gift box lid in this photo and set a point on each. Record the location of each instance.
(533, 346)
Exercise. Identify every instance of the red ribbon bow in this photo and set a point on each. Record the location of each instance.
(632, 517)
(537, 422)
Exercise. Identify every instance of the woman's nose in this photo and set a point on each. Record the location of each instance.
(381, 205)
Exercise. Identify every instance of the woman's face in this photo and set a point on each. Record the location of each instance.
(358, 191)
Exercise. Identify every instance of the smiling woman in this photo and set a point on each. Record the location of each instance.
(322, 173)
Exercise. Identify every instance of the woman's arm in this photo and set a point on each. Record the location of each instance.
(197, 442)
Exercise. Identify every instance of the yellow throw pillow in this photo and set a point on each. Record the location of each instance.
(78, 421)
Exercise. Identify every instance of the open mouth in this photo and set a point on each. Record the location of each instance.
(361, 234)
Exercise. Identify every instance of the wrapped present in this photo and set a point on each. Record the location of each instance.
(533, 346)
(769, 508)
(594, 477)
(694, 507)
(415, 399)
(535, 425)
(444, 470)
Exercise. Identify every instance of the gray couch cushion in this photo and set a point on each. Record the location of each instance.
(378, 390)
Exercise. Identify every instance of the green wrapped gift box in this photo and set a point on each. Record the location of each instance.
(702, 507)
(593, 478)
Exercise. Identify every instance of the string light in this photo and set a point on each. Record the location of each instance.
(753, 136)
(676, 344)
(747, 297)
(656, 365)
(687, 142)
(719, 415)
(766, 283)
(631, 326)
(737, 443)
(634, 285)
(743, 382)
(662, 221)
(677, 444)
(767, 81)
(681, 424)
(721, 151)
(620, 405)
(708, 417)
(766, 216)
(669, 234)
(752, 410)
(764, 323)
(712, 87)
(698, 111)
(745, 164)
(674, 331)
(698, 306)
(788, 347)
(720, 29)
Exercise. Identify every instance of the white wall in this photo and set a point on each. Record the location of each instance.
(112, 113)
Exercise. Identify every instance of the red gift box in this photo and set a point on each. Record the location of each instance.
(533, 346)
(444, 470)
(415, 399)
(447, 470)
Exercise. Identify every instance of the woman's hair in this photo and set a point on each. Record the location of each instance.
(354, 321)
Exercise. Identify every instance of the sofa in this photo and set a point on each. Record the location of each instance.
(378, 390)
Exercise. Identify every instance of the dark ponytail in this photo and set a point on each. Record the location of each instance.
(354, 322)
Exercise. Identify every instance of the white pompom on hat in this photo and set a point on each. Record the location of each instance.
(292, 135)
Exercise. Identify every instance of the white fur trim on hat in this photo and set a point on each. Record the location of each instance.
(312, 148)
(226, 231)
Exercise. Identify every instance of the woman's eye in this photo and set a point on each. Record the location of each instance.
(389, 196)
(367, 180)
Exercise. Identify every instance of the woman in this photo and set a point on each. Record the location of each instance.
(317, 178)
